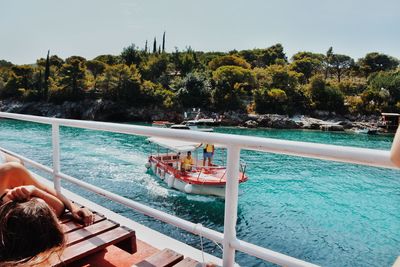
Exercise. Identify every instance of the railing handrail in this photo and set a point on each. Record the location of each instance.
(234, 143)
(355, 155)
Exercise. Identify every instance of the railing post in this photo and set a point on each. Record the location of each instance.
(231, 204)
(55, 137)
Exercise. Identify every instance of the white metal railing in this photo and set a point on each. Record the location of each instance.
(234, 144)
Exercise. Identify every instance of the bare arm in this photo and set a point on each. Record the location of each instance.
(26, 192)
(18, 175)
(395, 151)
(82, 214)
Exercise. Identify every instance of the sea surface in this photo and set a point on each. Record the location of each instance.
(328, 213)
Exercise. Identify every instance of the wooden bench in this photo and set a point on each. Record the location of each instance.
(83, 241)
(168, 258)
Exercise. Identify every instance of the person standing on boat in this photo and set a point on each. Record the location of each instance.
(395, 151)
(187, 162)
(208, 153)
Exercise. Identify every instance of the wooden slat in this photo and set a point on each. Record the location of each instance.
(164, 258)
(91, 245)
(188, 262)
(70, 226)
(87, 232)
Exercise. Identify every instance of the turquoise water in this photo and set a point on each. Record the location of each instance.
(331, 214)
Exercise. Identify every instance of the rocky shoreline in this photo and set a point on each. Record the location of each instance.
(103, 110)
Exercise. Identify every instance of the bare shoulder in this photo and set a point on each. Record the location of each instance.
(395, 151)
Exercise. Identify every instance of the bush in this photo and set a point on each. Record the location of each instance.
(270, 101)
(228, 61)
(27, 95)
(325, 97)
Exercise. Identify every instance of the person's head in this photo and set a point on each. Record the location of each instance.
(189, 154)
(29, 232)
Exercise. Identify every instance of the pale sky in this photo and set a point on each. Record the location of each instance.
(28, 28)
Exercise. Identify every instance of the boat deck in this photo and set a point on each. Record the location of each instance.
(114, 240)
(213, 175)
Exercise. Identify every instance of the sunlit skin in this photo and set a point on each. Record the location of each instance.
(395, 151)
(18, 184)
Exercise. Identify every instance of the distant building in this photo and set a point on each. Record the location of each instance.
(391, 121)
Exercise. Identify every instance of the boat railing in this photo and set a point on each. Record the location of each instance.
(233, 143)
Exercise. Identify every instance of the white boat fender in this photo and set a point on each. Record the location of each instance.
(188, 188)
(147, 165)
(170, 180)
(162, 174)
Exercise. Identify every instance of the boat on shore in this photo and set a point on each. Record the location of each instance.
(162, 124)
(367, 131)
(190, 126)
(201, 180)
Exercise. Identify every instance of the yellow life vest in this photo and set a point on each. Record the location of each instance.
(187, 161)
(209, 148)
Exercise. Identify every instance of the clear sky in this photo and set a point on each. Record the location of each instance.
(28, 28)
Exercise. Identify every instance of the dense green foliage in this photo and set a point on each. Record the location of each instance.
(259, 80)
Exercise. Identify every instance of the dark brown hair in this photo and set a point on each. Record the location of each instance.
(27, 229)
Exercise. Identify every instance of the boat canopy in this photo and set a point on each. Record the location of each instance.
(175, 145)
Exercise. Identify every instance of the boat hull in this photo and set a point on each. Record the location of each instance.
(173, 182)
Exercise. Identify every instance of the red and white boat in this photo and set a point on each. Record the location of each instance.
(203, 180)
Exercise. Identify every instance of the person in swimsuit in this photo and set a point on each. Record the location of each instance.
(17, 184)
(395, 151)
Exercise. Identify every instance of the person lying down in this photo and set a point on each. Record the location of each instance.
(29, 229)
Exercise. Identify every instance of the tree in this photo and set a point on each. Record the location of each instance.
(228, 61)
(5, 64)
(307, 63)
(72, 78)
(145, 47)
(327, 61)
(184, 62)
(121, 83)
(131, 55)
(75, 58)
(194, 91)
(281, 77)
(270, 101)
(19, 80)
(341, 64)
(163, 43)
(324, 96)
(273, 55)
(252, 56)
(375, 100)
(155, 46)
(46, 77)
(96, 68)
(109, 59)
(386, 82)
(154, 67)
(374, 62)
(232, 83)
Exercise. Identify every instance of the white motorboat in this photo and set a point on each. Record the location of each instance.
(203, 180)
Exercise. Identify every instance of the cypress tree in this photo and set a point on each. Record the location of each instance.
(145, 47)
(154, 46)
(159, 49)
(39, 85)
(163, 43)
(46, 77)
